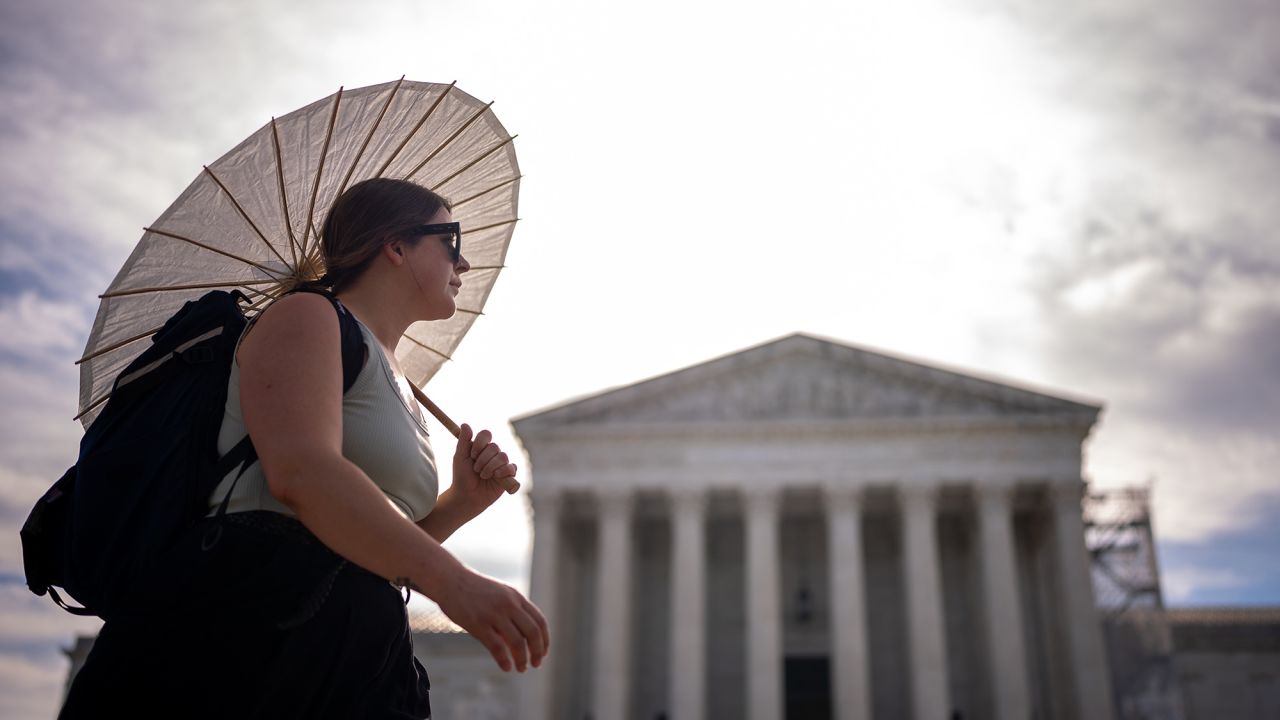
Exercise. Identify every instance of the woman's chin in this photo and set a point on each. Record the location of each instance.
(443, 312)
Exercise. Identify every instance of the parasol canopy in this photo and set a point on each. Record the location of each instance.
(251, 220)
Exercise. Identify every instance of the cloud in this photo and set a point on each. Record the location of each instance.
(40, 438)
(1205, 487)
(65, 96)
(110, 113)
(31, 622)
(1154, 279)
(1185, 328)
(1238, 568)
(33, 687)
(43, 329)
(1182, 585)
(18, 493)
(33, 668)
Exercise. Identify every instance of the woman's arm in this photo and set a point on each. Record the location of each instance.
(291, 395)
(446, 517)
(480, 469)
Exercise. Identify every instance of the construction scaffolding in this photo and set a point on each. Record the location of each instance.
(1126, 582)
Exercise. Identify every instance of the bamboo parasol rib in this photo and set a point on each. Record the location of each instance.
(471, 164)
(315, 187)
(103, 351)
(93, 405)
(424, 346)
(499, 186)
(210, 248)
(192, 286)
(421, 121)
(512, 221)
(294, 248)
(245, 215)
(372, 130)
(447, 142)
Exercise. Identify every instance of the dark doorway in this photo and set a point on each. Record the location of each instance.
(808, 688)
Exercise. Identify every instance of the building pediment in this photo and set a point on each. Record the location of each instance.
(800, 377)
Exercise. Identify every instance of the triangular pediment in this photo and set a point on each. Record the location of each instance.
(800, 377)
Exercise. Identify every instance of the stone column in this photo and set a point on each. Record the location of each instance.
(612, 638)
(851, 669)
(1084, 627)
(537, 685)
(764, 611)
(925, 623)
(688, 604)
(1003, 608)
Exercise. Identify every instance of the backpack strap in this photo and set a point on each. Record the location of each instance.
(82, 611)
(243, 454)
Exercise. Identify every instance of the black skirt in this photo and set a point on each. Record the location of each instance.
(266, 622)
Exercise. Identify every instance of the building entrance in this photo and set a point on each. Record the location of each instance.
(808, 688)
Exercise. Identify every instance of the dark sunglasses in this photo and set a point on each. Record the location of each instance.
(454, 232)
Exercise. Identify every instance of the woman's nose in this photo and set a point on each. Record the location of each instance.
(462, 265)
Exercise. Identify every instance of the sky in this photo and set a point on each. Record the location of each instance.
(1081, 197)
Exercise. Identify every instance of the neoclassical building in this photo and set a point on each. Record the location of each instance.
(810, 530)
(806, 529)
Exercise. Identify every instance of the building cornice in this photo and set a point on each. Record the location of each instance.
(533, 433)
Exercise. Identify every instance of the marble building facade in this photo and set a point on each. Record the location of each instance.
(810, 529)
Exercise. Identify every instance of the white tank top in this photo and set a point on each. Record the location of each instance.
(383, 432)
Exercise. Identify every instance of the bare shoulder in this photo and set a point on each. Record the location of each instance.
(302, 321)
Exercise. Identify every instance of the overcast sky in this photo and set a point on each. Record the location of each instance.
(1082, 197)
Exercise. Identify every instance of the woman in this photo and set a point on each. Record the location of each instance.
(291, 613)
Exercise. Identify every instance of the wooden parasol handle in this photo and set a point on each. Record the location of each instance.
(511, 485)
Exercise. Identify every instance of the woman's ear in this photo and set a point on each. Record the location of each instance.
(394, 252)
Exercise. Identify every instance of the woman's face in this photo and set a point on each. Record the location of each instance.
(438, 277)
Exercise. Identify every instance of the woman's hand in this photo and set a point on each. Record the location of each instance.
(504, 621)
(480, 470)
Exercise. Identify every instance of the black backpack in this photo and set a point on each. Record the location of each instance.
(149, 463)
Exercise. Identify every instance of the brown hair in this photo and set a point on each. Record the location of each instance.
(365, 216)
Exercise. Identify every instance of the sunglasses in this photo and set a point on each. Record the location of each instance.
(451, 229)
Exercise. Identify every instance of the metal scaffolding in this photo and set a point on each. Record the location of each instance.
(1126, 582)
(1118, 534)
